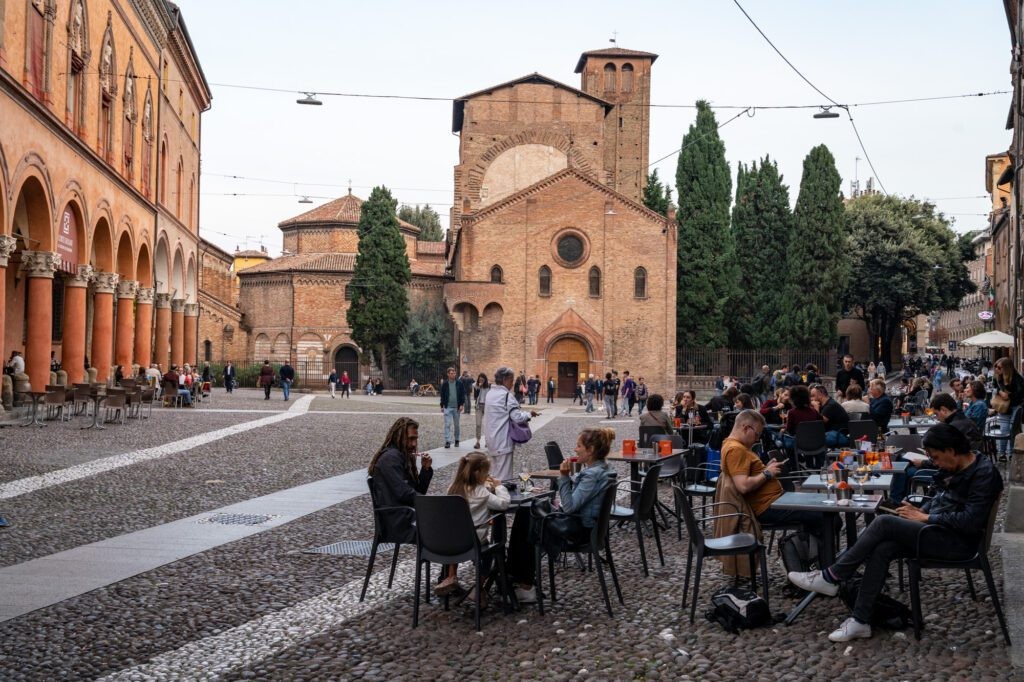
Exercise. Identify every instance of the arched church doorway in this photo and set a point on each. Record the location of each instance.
(346, 359)
(568, 359)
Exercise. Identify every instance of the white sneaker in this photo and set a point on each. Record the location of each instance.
(526, 596)
(813, 581)
(851, 629)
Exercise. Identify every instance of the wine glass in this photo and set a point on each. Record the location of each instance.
(828, 476)
(524, 476)
(861, 475)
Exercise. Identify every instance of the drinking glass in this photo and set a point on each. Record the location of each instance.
(524, 476)
(861, 475)
(828, 476)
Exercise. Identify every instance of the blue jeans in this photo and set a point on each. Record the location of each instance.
(185, 395)
(286, 386)
(590, 402)
(451, 415)
(609, 405)
(1004, 446)
(834, 439)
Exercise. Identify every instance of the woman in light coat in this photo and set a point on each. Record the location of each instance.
(501, 409)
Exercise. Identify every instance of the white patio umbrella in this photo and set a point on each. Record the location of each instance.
(992, 339)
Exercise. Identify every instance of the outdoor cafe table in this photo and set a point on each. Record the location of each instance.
(899, 466)
(646, 456)
(37, 397)
(881, 483)
(815, 502)
(97, 396)
(913, 425)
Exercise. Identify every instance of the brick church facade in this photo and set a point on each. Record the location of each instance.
(558, 268)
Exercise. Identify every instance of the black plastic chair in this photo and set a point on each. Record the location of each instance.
(446, 535)
(729, 545)
(647, 433)
(384, 521)
(554, 454)
(642, 511)
(978, 561)
(597, 541)
(671, 470)
(810, 444)
(863, 428)
(906, 441)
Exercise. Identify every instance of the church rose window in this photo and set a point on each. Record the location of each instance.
(570, 248)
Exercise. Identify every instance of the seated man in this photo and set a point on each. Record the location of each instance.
(880, 405)
(755, 480)
(173, 378)
(396, 482)
(966, 488)
(836, 418)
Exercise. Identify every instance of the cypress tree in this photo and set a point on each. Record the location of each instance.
(761, 225)
(379, 308)
(657, 195)
(706, 273)
(816, 267)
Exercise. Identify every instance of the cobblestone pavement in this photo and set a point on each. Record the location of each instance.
(260, 608)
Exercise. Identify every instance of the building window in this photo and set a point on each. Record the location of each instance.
(147, 142)
(348, 292)
(570, 248)
(163, 173)
(208, 350)
(38, 58)
(130, 117)
(108, 88)
(609, 78)
(57, 309)
(595, 281)
(192, 218)
(497, 275)
(627, 78)
(544, 280)
(179, 178)
(640, 283)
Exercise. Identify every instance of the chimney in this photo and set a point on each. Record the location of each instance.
(671, 214)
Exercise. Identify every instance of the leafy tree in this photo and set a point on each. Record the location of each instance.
(426, 342)
(761, 226)
(424, 218)
(817, 265)
(657, 195)
(906, 261)
(380, 305)
(706, 273)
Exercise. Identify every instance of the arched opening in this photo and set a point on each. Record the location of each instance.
(102, 247)
(108, 86)
(38, 42)
(32, 230)
(162, 180)
(78, 36)
(190, 281)
(177, 288)
(147, 142)
(496, 274)
(309, 356)
(129, 118)
(627, 78)
(346, 359)
(640, 283)
(32, 217)
(125, 261)
(544, 280)
(609, 77)
(208, 350)
(179, 189)
(261, 348)
(144, 268)
(594, 280)
(71, 237)
(568, 359)
(281, 350)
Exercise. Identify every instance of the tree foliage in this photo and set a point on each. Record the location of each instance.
(706, 272)
(817, 265)
(426, 342)
(761, 226)
(906, 260)
(657, 194)
(424, 218)
(379, 307)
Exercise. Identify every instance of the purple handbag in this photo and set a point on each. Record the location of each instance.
(519, 433)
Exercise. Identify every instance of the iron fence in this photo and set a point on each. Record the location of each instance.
(744, 364)
(313, 374)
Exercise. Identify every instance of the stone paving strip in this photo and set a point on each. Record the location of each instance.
(270, 635)
(42, 582)
(32, 483)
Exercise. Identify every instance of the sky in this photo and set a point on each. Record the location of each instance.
(854, 52)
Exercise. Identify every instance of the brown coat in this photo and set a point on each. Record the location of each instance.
(726, 492)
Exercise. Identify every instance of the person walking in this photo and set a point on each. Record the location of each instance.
(453, 398)
(628, 394)
(266, 378)
(467, 388)
(480, 389)
(287, 374)
(332, 381)
(551, 389)
(608, 389)
(501, 409)
(229, 377)
(641, 396)
(346, 384)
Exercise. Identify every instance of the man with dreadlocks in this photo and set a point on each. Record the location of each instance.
(396, 482)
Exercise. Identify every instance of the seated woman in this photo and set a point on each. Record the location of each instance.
(655, 416)
(855, 400)
(801, 412)
(974, 397)
(396, 482)
(691, 412)
(965, 489)
(580, 497)
(773, 408)
(743, 402)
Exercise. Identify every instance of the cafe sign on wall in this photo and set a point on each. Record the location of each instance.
(67, 241)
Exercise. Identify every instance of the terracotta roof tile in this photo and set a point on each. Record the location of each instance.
(343, 210)
(329, 262)
(612, 52)
(430, 247)
(251, 253)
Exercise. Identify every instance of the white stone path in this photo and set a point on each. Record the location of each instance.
(45, 581)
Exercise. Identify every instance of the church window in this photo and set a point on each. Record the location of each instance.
(544, 280)
(640, 283)
(348, 292)
(609, 78)
(595, 281)
(38, 58)
(627, 78)
(497, 276)
(570, 248)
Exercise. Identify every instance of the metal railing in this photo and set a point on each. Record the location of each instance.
(744, 364)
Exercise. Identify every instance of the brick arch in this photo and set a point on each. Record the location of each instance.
(570, 324)
(475, 175)
(30, 165)
(5, 184)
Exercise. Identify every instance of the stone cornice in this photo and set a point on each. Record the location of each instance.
(7, 246)
(40, 264)
(127, 288)
(145, 295)
(177, 305)
(162, 300)
(81, 278)
(105, 282)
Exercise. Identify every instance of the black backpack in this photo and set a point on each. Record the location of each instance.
(889, 613)
(799, 552)
(738, 609)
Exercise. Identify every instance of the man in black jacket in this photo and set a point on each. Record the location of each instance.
(229, 377)
(287, 374)
(453, 398)
(396, 482)
(948, 411)
(849, 373)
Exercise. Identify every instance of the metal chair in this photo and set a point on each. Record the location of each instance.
(648, 432)
(671, 469)
(737, 544)
(171, 396)
(82, 398)
(446, 534)
(56, 402)
(116, 404)
(642, 511)
(906, 441)
(597, 541)
(978, 561)
(383, 531)
(147, 397)
(810, 444)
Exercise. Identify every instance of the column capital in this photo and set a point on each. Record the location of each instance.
(105, 282)
(191, 310)
(7, 246)
(146, 295)
(177, 305)
(81, 278)
(40, 264)
(162, 300)
(127, 288)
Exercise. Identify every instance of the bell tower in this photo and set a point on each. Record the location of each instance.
(623, 78)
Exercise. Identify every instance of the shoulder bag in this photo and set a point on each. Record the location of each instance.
(519, 433)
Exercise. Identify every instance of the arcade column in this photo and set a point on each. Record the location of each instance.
(7, 246)
(177, 331)
(124, 344)
(104, 286)
(144, 327)
(39, 267)
(191, 330)
(162, 338)
(72, 355)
